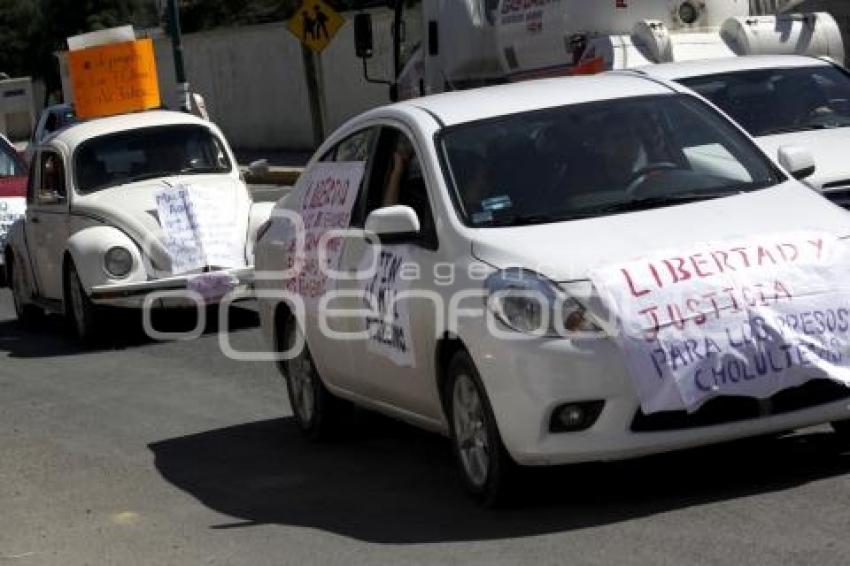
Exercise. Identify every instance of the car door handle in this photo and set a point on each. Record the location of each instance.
(35, 220)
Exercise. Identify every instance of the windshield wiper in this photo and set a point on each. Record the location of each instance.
(803, 128)
(145, 177)
(199, 170)
(649, 203)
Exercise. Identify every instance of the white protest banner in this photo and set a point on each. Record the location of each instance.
(12, 209)
(389, 325)
(327, 203)
(199, 229)
(737, 318)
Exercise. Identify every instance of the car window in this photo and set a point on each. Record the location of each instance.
(51, 178)
(775, 101)
(148, 153)
(397, 179)
(599, 158)
(357, 147)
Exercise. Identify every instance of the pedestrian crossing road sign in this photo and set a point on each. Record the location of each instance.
(315, 24)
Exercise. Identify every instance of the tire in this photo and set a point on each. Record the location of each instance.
(485, 466)
(320, 415)
(81, 314)
(29, 316)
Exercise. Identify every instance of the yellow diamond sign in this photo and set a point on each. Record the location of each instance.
(315, 24)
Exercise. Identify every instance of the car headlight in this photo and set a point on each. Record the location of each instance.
(527, 302)
(118, 261)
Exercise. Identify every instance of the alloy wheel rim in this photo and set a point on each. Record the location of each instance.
(473, 444)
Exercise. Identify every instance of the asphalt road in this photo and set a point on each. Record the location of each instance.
(169, 453)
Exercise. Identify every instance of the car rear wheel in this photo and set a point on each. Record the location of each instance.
(80, 312)
(28, 315)
(485, 466)
(317, 411)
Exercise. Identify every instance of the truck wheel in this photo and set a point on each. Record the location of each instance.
(80, 313)
(320, 415)
(28, 315)
(485, 466)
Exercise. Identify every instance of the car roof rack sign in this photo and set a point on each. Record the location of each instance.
(112, 73)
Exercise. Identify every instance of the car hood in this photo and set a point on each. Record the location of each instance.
(829, 148)
(569, 251)
(132, 208)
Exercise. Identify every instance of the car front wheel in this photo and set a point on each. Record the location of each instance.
(485, 466)
(80, 312)
(317, 411)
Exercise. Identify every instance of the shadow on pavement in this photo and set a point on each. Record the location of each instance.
(51, 338)
(393, 484)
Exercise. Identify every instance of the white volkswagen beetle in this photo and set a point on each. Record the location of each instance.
(558, 271)
(126, 207)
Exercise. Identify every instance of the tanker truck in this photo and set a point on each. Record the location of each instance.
(441, 45)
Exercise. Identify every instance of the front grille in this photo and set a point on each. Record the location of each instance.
(724, 410)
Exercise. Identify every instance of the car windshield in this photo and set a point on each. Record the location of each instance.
(10, 165)
(148, 153)
(778, 101)
(597, 159)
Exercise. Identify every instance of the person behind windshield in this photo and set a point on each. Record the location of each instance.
(621, 153)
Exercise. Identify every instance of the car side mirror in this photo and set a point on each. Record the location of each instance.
(798, 161)
(394, 224)
(364, 44)
(259, 168)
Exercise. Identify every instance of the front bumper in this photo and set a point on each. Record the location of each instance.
(171, 292)
(527, 380)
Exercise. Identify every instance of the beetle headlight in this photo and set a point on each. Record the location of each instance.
(118, 261)
(532, 304)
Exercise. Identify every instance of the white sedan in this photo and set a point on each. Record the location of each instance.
(139, 210)
(557, 271)
(781, 100)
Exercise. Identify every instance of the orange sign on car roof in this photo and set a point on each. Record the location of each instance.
(114, 79)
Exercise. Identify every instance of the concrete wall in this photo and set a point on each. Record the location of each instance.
(252, 79)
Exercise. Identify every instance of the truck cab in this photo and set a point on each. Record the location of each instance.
(444, 45)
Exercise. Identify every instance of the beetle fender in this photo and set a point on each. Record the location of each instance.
(88, 249)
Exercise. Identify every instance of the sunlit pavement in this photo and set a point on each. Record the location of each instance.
(152, 453)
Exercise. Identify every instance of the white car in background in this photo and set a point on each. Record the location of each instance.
(52, 119)
(123, 207)
(781, 100)
(507, 217)
(13, 188)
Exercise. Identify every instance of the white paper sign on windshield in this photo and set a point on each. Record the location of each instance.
(199, 229)
(740, 318)
(12, 209)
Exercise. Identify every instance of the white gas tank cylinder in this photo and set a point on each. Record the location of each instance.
(535, 35)
(815, 34)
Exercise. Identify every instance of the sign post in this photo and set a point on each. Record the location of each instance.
(315, 24)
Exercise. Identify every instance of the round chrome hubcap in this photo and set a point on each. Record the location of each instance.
(301, 378)
(470, 430)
